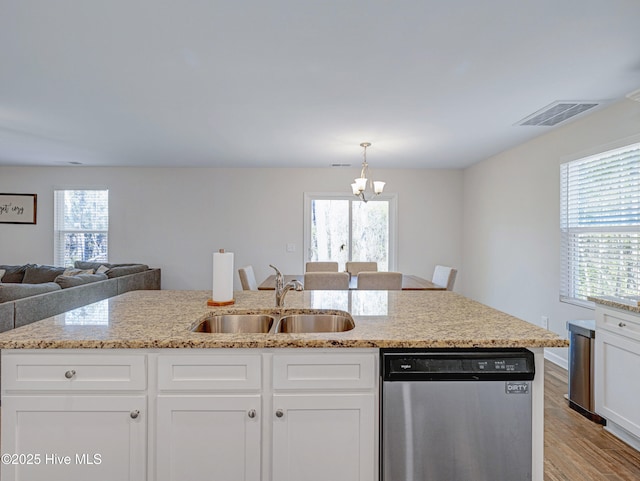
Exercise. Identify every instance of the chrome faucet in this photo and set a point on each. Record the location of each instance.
(282, 288)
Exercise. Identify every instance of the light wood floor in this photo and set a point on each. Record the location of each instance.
(576, 449)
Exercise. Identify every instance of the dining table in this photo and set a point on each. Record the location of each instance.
(409, 283)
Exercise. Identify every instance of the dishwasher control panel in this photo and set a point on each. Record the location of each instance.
(471, 365)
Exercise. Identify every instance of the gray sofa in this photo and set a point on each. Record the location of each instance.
(32, 292)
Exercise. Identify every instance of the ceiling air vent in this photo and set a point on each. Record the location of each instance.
(557, 112)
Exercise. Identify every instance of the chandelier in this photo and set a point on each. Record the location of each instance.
(359, 185)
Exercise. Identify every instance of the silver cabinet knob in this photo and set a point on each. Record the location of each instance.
(621, 324)
(252, 413)
(279, 413)
(134, 414)
(69, 374)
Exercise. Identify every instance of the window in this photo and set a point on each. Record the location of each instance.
(81, 225)
(600, 225)
(341, 228)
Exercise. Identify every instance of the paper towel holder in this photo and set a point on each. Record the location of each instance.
(212, 303)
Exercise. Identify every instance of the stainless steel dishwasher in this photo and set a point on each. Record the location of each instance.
(456, 415)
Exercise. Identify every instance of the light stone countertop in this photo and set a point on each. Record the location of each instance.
(625, 305)
(162, 319)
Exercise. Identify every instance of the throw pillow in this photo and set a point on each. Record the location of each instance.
(37, 274)
(70, 271)
(14, 273)
(102, 270)
(2, 271)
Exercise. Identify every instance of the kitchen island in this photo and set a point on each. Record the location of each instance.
(174, 404)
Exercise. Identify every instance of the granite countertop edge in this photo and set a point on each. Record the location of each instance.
(162, 320)
(616, 303)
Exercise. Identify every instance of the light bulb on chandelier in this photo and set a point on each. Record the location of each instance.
(359, 185)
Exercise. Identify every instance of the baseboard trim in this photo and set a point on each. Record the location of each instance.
(558, 360)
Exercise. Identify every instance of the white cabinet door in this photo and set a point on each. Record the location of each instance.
(320, 437)
(75, 438)
(208, 438)
(617, 382)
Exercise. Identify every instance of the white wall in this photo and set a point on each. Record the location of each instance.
(511, 246)
(176, 218)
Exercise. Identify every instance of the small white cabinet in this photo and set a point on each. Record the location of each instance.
(209, 416)
(317, 437)
(325, 422)
(617, 385)
(62, 418)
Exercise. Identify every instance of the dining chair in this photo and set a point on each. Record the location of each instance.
(248, 278)
(444, 276)
(329, 281)
(321, 267)
(354, 268)
(389, 281)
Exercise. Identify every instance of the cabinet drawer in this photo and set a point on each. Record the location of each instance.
(324, 371)
(74, 372)
(618, 322)
(209, 372)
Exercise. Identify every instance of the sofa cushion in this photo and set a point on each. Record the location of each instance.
(13, 291)
(14, 273)
(79, 279)
(37, 274)
(126, 270)
(89, 265)
(115, 270)
(70, 271)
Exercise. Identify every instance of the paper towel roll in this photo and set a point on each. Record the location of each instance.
(222, 276)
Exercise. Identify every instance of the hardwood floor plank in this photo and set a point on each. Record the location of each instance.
(577, 449)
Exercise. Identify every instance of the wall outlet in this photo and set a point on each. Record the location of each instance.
(544, 321)
(291, 247)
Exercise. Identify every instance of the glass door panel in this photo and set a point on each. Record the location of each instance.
(329, 231)
(339, 229)
(370, 233)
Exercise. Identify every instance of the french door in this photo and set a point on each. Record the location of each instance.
(342, 228)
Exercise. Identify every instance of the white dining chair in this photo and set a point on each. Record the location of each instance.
(444, 276)
(321, 267)
(388, 281)
(354, 268)
(247, 278)
(328, 281)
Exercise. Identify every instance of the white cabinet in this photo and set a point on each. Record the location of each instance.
(190, 414)
(325, 422)
(317, 437)
(209, 417)
(269, 415)
(61, 423)
(208, 437)
(617, 385)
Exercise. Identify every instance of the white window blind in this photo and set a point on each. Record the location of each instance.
(81, 225)
(600, 225)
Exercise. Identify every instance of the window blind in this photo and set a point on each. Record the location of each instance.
(81, 225)
(600, 225)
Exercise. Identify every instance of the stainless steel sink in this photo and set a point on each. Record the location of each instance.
(235, 323)
(309, 323)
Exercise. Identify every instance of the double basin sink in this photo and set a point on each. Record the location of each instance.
(294, 321)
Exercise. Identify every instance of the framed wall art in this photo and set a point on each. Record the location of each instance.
(18, 208)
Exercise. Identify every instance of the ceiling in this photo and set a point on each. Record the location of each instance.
(294, 83)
